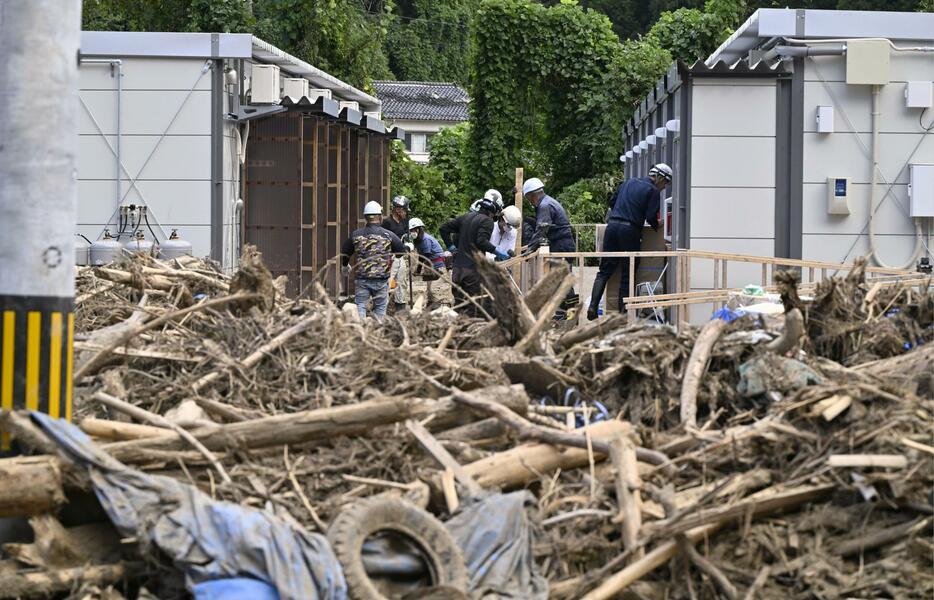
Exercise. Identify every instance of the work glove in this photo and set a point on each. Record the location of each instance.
(500, 255)
(345, 270)
(409, 246)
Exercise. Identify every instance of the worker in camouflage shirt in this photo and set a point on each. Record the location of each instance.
(374, 247)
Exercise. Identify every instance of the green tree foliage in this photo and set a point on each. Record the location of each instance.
(439, 190)
(546, 90)
(334, 35)
(127, 15)
(343, 37)
(449, 155)
(690, 34)
(429, 40)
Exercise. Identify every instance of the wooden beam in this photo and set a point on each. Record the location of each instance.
(444, 458)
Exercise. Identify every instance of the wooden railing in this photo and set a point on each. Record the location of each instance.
(530, 268)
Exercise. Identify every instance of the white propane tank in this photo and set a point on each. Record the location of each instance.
(139, 243)
(174, 247)
(105, 250)
(82, 251)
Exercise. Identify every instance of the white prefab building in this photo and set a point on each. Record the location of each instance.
(165, 122)
(773, 140)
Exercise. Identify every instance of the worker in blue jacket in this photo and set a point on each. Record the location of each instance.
(636, 202)
(552, 225)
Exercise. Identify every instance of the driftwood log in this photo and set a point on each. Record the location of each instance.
(696, 366)
(319, 424)
(524, 463)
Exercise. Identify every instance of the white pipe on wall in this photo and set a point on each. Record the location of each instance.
(873, 192)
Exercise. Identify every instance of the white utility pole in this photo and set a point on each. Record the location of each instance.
(39, 42)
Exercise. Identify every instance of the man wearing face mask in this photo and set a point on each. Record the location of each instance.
(398, 223)
(505, 230)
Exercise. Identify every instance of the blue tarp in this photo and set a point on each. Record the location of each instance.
(495, 536)
(206, 539)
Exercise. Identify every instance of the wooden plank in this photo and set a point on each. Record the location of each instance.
(631, 313)
(118, 430)
(520, 179)
(449, 490)
(723, 282)
(623, 457)
(885, 461)
(440, 454)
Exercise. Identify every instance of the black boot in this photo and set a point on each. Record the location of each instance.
(599, 286)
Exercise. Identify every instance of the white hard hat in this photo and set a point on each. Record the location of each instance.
(661, 170)
(372, 208)
(513, 215)
(532, 185)
(495, 196)
(415, 222)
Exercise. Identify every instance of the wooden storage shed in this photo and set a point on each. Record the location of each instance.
(309, 172)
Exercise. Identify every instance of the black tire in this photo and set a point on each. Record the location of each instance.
(363, 518)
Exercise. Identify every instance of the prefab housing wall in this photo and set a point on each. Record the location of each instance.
(732, 176)
(308, 178)
(846, 153)
(165, 147)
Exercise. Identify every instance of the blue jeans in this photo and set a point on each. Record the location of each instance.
(378, 290)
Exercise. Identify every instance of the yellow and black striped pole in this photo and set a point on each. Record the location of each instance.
(36, 356)
(38, 204)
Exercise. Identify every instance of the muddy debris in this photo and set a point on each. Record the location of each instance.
(802, 472)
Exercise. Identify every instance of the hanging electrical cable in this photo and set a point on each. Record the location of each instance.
(876, 203)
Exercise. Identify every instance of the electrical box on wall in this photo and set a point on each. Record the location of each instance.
(919, 94)
(824, 119)
(295, 87)
(838, 190)
(921, 190)
(264, 85)
(867, 62)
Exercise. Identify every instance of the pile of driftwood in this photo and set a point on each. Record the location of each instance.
(730, 461)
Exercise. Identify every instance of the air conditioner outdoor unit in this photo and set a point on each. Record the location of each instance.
(265, 84)
(352, 105)
(314, 94)
(294, 87)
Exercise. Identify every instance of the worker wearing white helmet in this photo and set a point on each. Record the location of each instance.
(430, 253)
(495, 196)
(426, 245)
(635, 203)
(505, 230)
(374, 247)
(552, 227)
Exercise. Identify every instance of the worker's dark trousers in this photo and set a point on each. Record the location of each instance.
(466, 284)
(619, 237)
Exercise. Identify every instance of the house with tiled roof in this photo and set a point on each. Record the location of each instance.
(421, 108)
